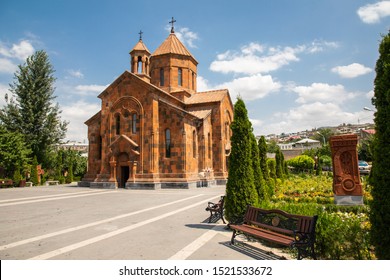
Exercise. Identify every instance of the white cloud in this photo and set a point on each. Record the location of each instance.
(4, 89)
(372, 13)
(19, 51)
(187, 37)
(7, 66)
(76, 73)
(370, 94)
(11, 56)
(308, 116)
(77, 113)
(202, 84)
(89, 89)
(251, 87)
(255, 58)
(322, 92)
(352, 70)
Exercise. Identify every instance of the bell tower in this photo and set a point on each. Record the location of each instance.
(140, 62)
(173, 68)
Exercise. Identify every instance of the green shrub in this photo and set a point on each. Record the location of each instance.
(302, 163)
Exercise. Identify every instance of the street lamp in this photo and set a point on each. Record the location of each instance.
(368, 109)
(323, 137)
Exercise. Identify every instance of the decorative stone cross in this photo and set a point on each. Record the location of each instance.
(172, 22)
(140, 35)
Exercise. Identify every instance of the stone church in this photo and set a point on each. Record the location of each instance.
(154, 130)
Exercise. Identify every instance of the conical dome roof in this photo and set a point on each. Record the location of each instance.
(140, 46)
(172, 45)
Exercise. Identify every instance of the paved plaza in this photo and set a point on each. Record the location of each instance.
(68, 222)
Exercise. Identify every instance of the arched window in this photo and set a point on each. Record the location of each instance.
(161, 76)
(194, 143)
(139, 65)
(117, 124)
(134, 123)
(168, 143)
(180, 77)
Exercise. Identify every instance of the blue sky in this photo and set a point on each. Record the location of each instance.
(297, 64)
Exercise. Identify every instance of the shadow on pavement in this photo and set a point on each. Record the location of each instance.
(252, 251)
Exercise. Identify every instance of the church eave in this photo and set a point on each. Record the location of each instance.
(93, 119)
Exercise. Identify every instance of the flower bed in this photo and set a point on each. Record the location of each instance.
(342, 231)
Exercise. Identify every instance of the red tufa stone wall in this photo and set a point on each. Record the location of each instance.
(200, 133)
(346, 177)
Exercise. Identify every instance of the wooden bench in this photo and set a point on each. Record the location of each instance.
(51, 183)
(216, 209)
(277, 226)
(6, 183)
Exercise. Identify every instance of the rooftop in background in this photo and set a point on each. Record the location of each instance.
(75, 146)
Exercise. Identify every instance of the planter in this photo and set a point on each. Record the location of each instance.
(22, 183)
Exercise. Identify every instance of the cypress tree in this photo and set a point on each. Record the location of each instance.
(30, 111)
(263, 157)
(380, 174)
(240, 187)
(258, 176)
(34, 172)
(279, 163)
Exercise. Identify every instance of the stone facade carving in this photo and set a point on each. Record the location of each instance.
(346, 177)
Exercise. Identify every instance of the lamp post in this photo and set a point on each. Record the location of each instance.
(368, 109)
(323, 137)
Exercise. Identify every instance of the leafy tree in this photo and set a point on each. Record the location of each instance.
(302, 163)
(240, 187)
(272, 147)
(14, 155)
(365, 149)
(263, 157)
(31, 111)
(380, 175)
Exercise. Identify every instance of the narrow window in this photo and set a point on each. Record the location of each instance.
(194, 143)
(139, 65)
(193, 80)
(118, 124)
(161, 76)
(180, 77)
(134, 123)
(167, 143)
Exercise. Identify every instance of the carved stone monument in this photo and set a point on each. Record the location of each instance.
(347, 188)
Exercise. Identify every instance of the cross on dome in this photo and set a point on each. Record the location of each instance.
(172, 22)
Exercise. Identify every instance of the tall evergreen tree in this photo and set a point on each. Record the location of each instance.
(240, 187)
(30, 110)
(380, 176)
(263, 157)
(258, 175)
(279, 163)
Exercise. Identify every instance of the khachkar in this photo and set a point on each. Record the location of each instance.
(347, 188)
